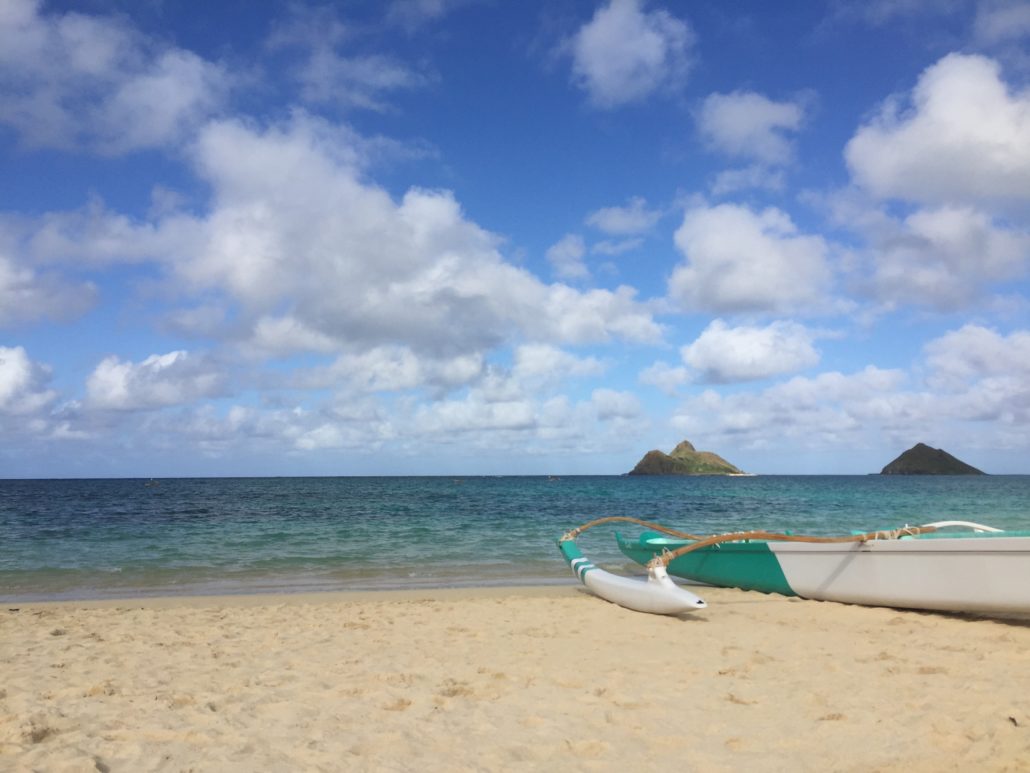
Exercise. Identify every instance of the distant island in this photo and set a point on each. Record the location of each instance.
(684, 460)
(920, 459)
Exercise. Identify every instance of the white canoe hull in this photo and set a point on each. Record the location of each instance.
(955, 574)
(657, 594)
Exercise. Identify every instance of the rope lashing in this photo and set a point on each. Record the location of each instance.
(669, 555)
(626, 519)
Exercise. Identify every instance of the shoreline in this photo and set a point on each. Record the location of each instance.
(525, 677)
(264, 598)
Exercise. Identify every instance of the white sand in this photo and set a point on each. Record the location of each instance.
(530, 679)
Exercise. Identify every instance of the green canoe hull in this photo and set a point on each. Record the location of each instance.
(744, 565)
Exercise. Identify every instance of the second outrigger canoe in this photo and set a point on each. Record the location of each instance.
(954, 566)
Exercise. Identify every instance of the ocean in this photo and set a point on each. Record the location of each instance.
(85, 539)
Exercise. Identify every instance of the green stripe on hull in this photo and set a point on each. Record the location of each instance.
(572, 554)
(570, 550)
(745, 565)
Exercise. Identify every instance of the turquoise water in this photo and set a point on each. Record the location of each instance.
(70, 539)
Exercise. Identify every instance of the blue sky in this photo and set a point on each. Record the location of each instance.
(481, 237)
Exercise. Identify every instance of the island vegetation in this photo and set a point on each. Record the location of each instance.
(920, 459)
(684, 460)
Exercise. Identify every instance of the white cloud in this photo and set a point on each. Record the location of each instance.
(393, 369)
(634, 218)
(825, 411)
(327, 76)
(566, 257)
(546, 364)
(295, 222)
(533, 424)
(744, 124)
(964, 138)
(333, 435)
(295, 226)
(613, 404)
(946, 257)
(976, 393)
(592, 316)
(984, 376)
(70, 80)
(667, 378)
(158, 381)
(23, 383)
(739, 260)
(285, 335)
(975, 352)
(28, 295)
(473, 415)
(726, 354)
(755, 176)
(1001, 21)
(613, 247)
(624, 53)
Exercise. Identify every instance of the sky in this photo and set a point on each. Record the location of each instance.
(459, 237)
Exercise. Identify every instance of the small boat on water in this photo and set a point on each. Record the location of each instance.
(954, 566)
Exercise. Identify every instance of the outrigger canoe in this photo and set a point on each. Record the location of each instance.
(954, 566)
(657, 594)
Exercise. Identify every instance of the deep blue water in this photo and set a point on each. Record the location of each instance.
(114, 538)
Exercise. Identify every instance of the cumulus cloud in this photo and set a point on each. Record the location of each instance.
(473, 415)
(479, 421)
(984, 376)
(962, 137)
(724, 354)
(295, 223)
(158, 381)
(634, 218)
(566, 257)
(827, 410)
(393, 369)
(27, 295)
(665, 377)
(23, 383)
(244, 430)
(625, 53)
(739, 260)
(973, 376)
(536, 363)
(308, 255)
(613, 404)
(744, 124)
(974, 352)
(946, 257)
(68, 80)
(285, 335)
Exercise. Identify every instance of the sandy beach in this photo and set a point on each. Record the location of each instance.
(500, 679)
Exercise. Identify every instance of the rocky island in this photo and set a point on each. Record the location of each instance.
(920, 459)
(684, 460)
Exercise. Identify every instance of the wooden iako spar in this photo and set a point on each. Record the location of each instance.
(703, 542)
